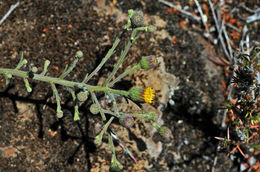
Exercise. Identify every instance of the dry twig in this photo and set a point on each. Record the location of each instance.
(202, 15)
(216, 20)
(188, 14)
(9, 12)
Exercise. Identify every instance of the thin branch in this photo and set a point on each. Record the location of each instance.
(108, 55)
(228, 44)
(188, 14)
(126, 72)
(221, 28)
(123, 147)
(250, 10)
(218, 27)
(9, 12)
(233, 27)
(201, 15)
(247, 43)
(121, 59)
(114, 104)
(253, 17)
(95, 100)
(242, 42)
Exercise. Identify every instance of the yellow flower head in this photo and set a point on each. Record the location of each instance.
(148, 95)
(142, 95)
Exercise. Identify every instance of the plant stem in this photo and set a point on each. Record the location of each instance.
(127, 72)
(108, 55)
(57, 97)
(72, 66)
(95, 100)
(114, 104)
(121, 59)
(63, 82)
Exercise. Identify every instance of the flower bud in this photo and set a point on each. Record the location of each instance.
(82, 96)
(126, 120)
(137, 18)
(59, 114)
(142, 95)
(148, 62)
(24, 61)
(34, 69)
(79, 54)
(94, 109)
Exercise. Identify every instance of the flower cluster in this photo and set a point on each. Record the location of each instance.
(83, 93)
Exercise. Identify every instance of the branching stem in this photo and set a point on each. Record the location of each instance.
(63, 82)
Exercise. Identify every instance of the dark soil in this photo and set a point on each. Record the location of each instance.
(33, 139)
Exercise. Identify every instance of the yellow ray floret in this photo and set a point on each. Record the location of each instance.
(148, 95)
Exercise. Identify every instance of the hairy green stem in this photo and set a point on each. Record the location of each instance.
(114, 104)
(67, 71)
(95, 100)
(98, 138)
(45, 67)
(114, 162)
(108, 55)
(57, 97)
(127, 72)
(63, 82)
(76, 106)
(121, 59)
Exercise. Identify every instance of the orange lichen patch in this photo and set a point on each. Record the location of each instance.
(45, 30)
(175, 40)
(208, 25)
(226, 15)
(231, 42)
(113, 2)
(172, 11)
(235, 35)
(183, 24)
(52, 133)
(239, 25)
(27, 53)
(232, 20)
(256, 167)
(148, 95)
(56, 68)
(224, 85)
(9, 151)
